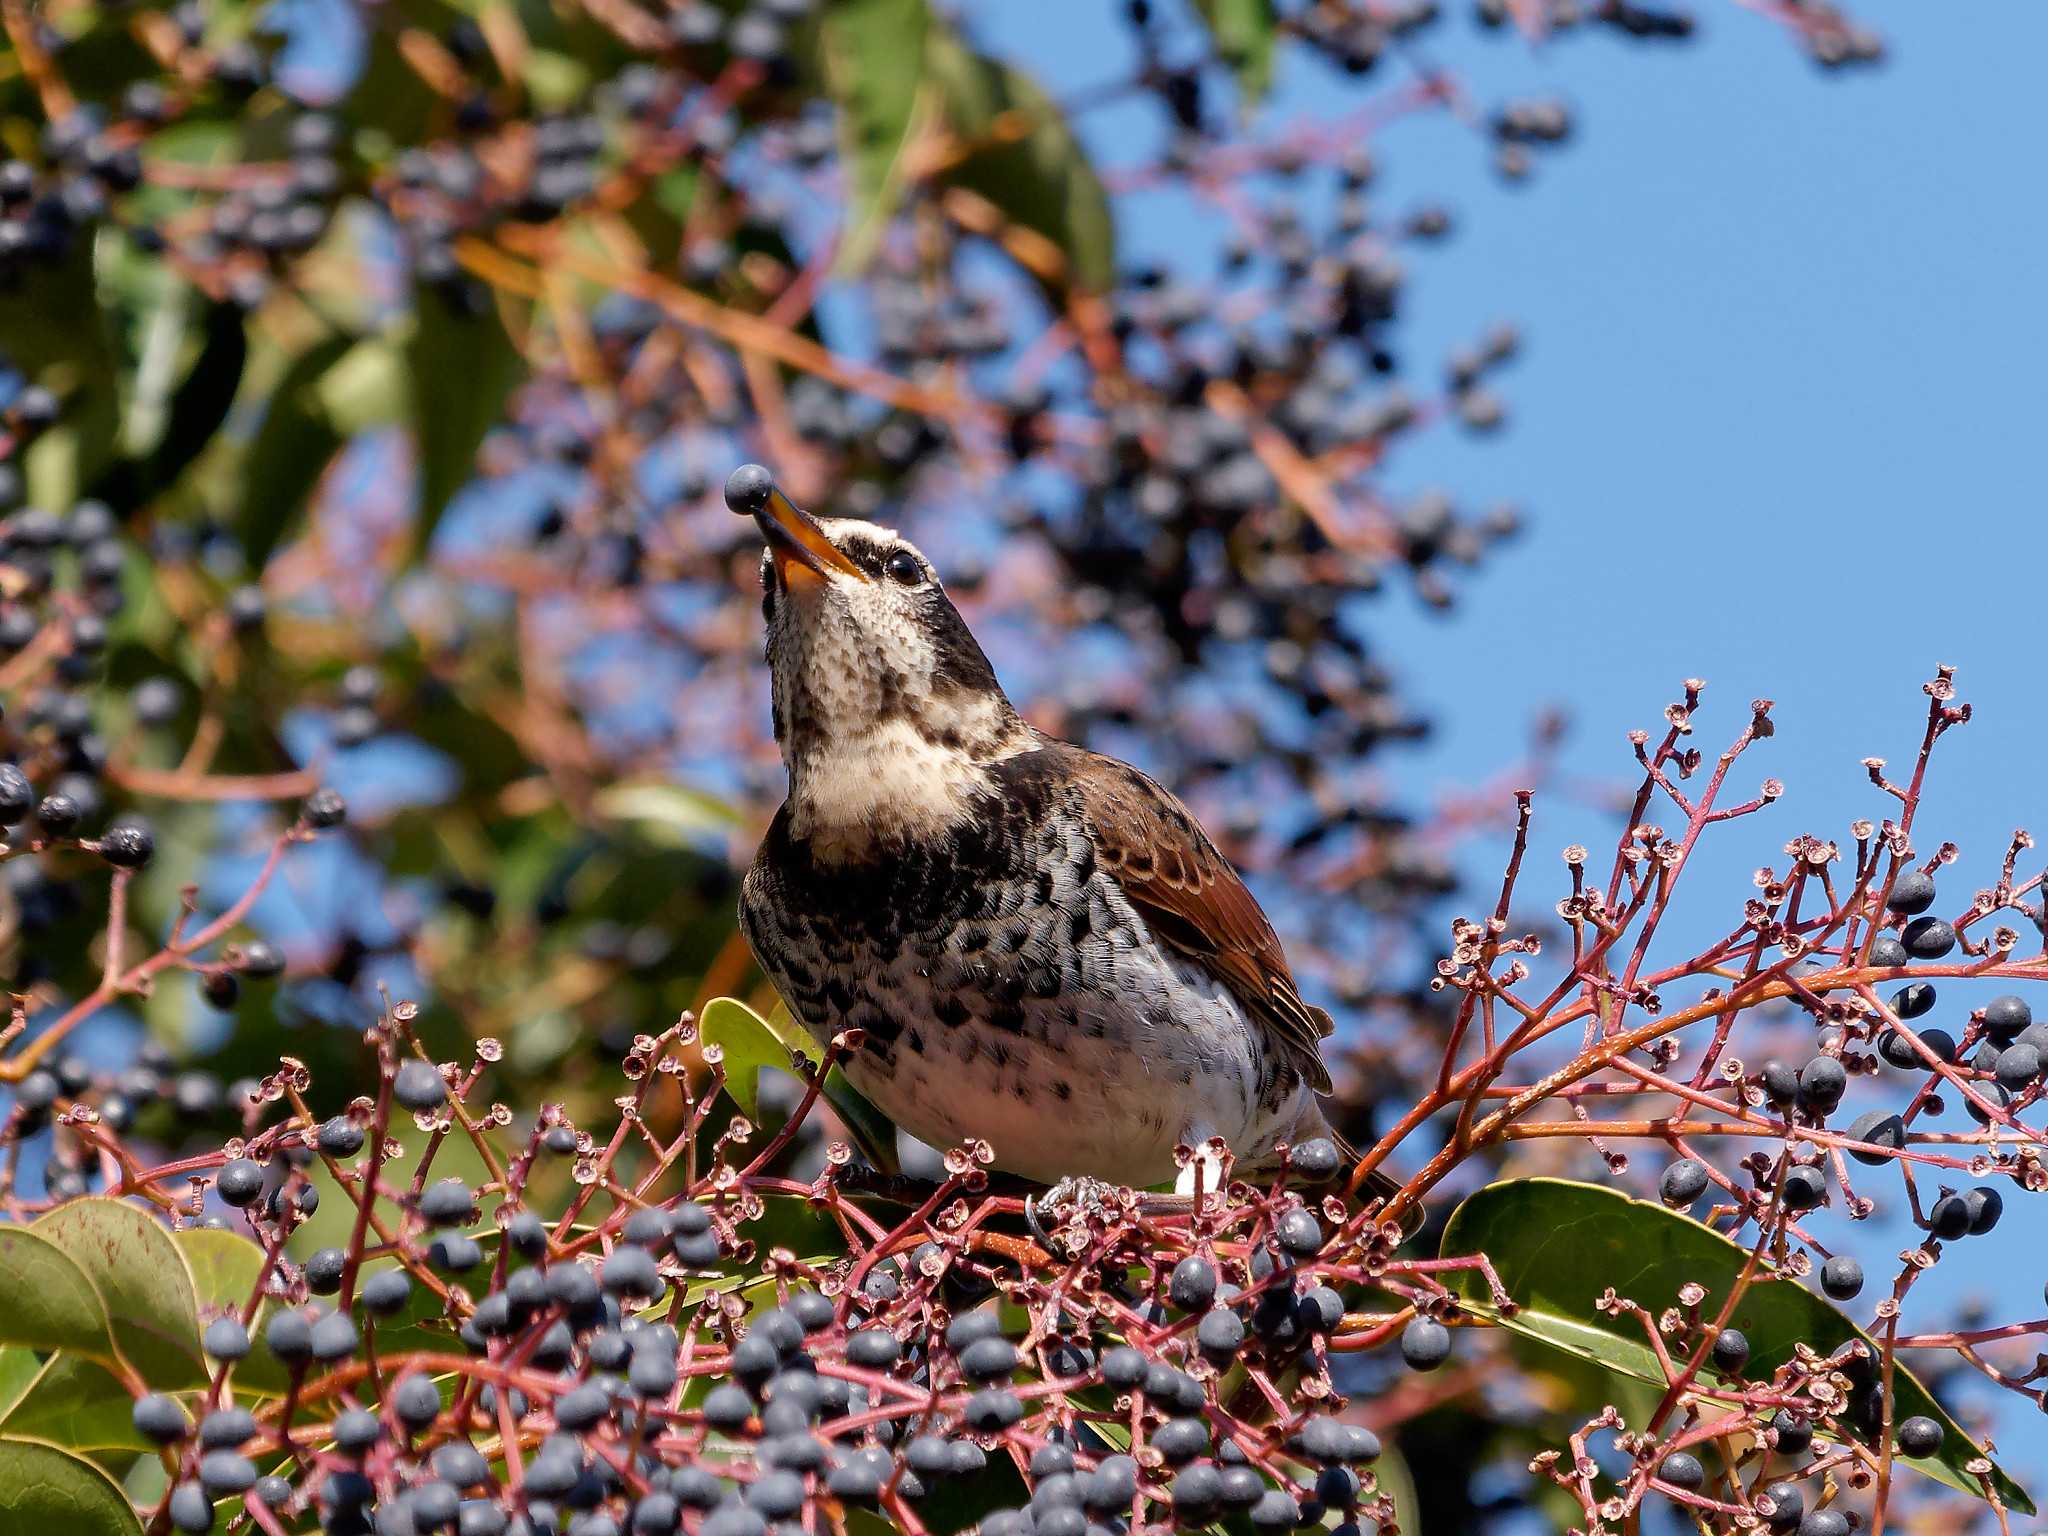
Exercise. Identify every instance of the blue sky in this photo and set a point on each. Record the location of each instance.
(1776, 419)
(1776, 424)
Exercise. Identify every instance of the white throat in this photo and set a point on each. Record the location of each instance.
(883, 783)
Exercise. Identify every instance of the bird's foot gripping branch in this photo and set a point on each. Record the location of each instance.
(419, 1308)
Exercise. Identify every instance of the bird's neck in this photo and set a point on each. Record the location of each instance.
(860, 786)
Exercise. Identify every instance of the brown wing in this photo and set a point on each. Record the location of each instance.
(1195, 901)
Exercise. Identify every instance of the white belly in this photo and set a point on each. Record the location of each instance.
(1109, 1099)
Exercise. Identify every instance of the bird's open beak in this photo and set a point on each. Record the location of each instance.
(802, 552)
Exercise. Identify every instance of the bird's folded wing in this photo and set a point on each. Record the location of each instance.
(1196, 902)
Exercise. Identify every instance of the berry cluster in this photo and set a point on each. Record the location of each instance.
(667, 1317)
(636, 1347)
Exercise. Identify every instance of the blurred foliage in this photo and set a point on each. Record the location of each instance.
(369, 373)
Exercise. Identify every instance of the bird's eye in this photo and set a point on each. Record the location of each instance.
(902, 566)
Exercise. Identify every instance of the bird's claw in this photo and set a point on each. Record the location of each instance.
(1074, 1199)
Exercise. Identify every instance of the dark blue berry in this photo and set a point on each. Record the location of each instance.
(1841, 1277)
(1122, 1366)
(1220, 1335)
(1684, 1181)
(386, 1292)
(1318, 1159)
(1919, 1436)
(1425, 1343)
(1928, 938)
(2005, 1017)
(1950, 1218)
(1730, 1352)
(1682, 1469)
(159, 1418)
(240, 1181)
(1192, 1286)
(419, 1086)
(1912, 892)
(1880, 1128)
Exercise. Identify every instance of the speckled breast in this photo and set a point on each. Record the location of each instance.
(1009, 991)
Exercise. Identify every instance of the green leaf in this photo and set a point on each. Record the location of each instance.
(200, 404)
(358, 391)
(291, 450)
(18, 1367)
(44, 1487)
(1398, 1483)
(873, 1132)
(76, 1403)
(873, 56)
(1244, 32)
(463, 369)
(54, 330)
(138, 1271)
(47, 1301)
(1042, 180)
(182, 353)
(748, 1044)
(555, 81)
(1557, 1245)
(751, 1042)
(225, 1267)
(670, 813)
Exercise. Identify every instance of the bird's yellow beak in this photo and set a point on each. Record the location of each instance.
(803, 555)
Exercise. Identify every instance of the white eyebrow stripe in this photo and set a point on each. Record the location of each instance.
(836, 526)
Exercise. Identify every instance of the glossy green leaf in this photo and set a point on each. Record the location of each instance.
(103, 56)
(77, 1403)
(142, 1278)
(873, 57)
(1044, 180)
(1244, 32)
(390, 100)
(463, 368)
(1557, 1245)
(748, 1044)
(44, 1487)
(751, 1042)
(47, 1300)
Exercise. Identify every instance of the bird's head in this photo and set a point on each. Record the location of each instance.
(886, 708)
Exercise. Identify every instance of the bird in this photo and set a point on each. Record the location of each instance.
(1041, 947)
